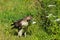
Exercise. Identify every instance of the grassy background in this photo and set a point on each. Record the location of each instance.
(12, 10)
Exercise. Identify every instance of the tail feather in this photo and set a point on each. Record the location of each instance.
(12, 24)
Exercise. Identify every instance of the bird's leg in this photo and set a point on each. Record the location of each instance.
(25, 34)
(20, 32)
(25, 30)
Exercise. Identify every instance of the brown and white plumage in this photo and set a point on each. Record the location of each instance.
(22, 24)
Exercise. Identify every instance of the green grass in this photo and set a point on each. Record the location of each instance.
(12, 10)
